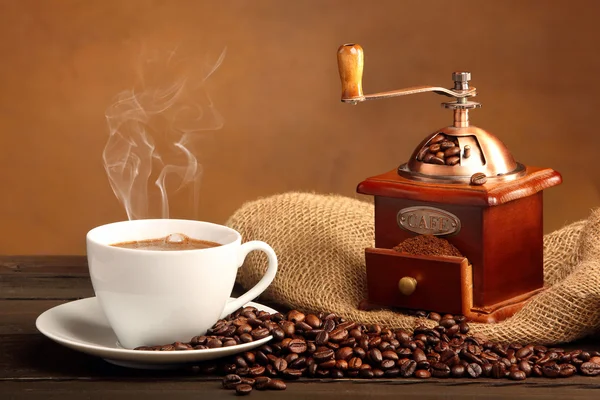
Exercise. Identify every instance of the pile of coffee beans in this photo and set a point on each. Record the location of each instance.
(441, 150)
(427, 245)
(327, 346)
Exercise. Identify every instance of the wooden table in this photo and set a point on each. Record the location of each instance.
(34, 367)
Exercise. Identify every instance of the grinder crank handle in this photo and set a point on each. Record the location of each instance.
(351, 64)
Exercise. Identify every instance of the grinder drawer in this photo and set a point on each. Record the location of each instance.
(442, 283)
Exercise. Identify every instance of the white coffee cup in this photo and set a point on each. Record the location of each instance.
(153, 297)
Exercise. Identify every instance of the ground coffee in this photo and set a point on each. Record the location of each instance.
(428, 245)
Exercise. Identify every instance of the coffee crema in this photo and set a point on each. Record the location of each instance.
(172, 242)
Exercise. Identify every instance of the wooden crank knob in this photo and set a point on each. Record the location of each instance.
(350, 63)
(407, 285)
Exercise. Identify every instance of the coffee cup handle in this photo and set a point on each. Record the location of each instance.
(262, 284)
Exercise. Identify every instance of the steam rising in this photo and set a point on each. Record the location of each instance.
(153, 129)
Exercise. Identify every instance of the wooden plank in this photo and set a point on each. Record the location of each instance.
(33, 277)
(53, 265)
(35, 286)
(350, 390)
(18, 316)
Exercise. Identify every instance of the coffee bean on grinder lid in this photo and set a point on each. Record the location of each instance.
(478, 179)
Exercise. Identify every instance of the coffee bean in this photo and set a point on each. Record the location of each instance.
(181, 346)
(303, 327)
(342, 365)
(524, 352)
(248, 381)
(435, 316)
(260, 333)
(375, 355)
(595, 359)
(244, 329)
(447, 322)
(261, 382)
(336, 374)
(298, 363)
(338, 335)
(452, 151)
(280, 364)
(478, 179)
(346, 325)
(437, 160)
(322, 338)
(567, 370)
(445, 145)
(291, 373)
(449, 357)
(374, 341)
(517, 375)
(422, 374)
(243, 389)
(271, 371)
(590, 369)
(440, 370)
(297, 346)
(240, 362)
(246, 338)
(452, 160)
(474, 370)
(525, 367)
(387, 364)
(440, 154)
(261, 358)
(440, 137)
(390, 355)
(551, 370)
(257, 370)
(457, 371)
(354, 363)
(366, 374)
(214, 343)
(498, 370)
(289, 328)
(278, 334)
(422, 153)
(418, 355)
(408, 368)
(196, 340)
(295, 316)
(378, 373)
(352, 373)
(313, 321)
(343, 353)
(327, 364)
(359, 352)
(323, 355)
(231, 381)
(276, 384)
(434, 148)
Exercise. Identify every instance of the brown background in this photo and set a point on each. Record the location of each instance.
(535, 64)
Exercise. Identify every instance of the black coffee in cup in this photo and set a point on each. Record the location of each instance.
(172, 242)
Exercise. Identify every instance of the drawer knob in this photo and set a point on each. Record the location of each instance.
(407, 285)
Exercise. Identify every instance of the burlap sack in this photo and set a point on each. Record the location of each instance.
(320, 242)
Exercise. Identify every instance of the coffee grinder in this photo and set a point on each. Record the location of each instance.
(462, 184)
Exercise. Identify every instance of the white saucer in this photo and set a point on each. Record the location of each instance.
(82, 326)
